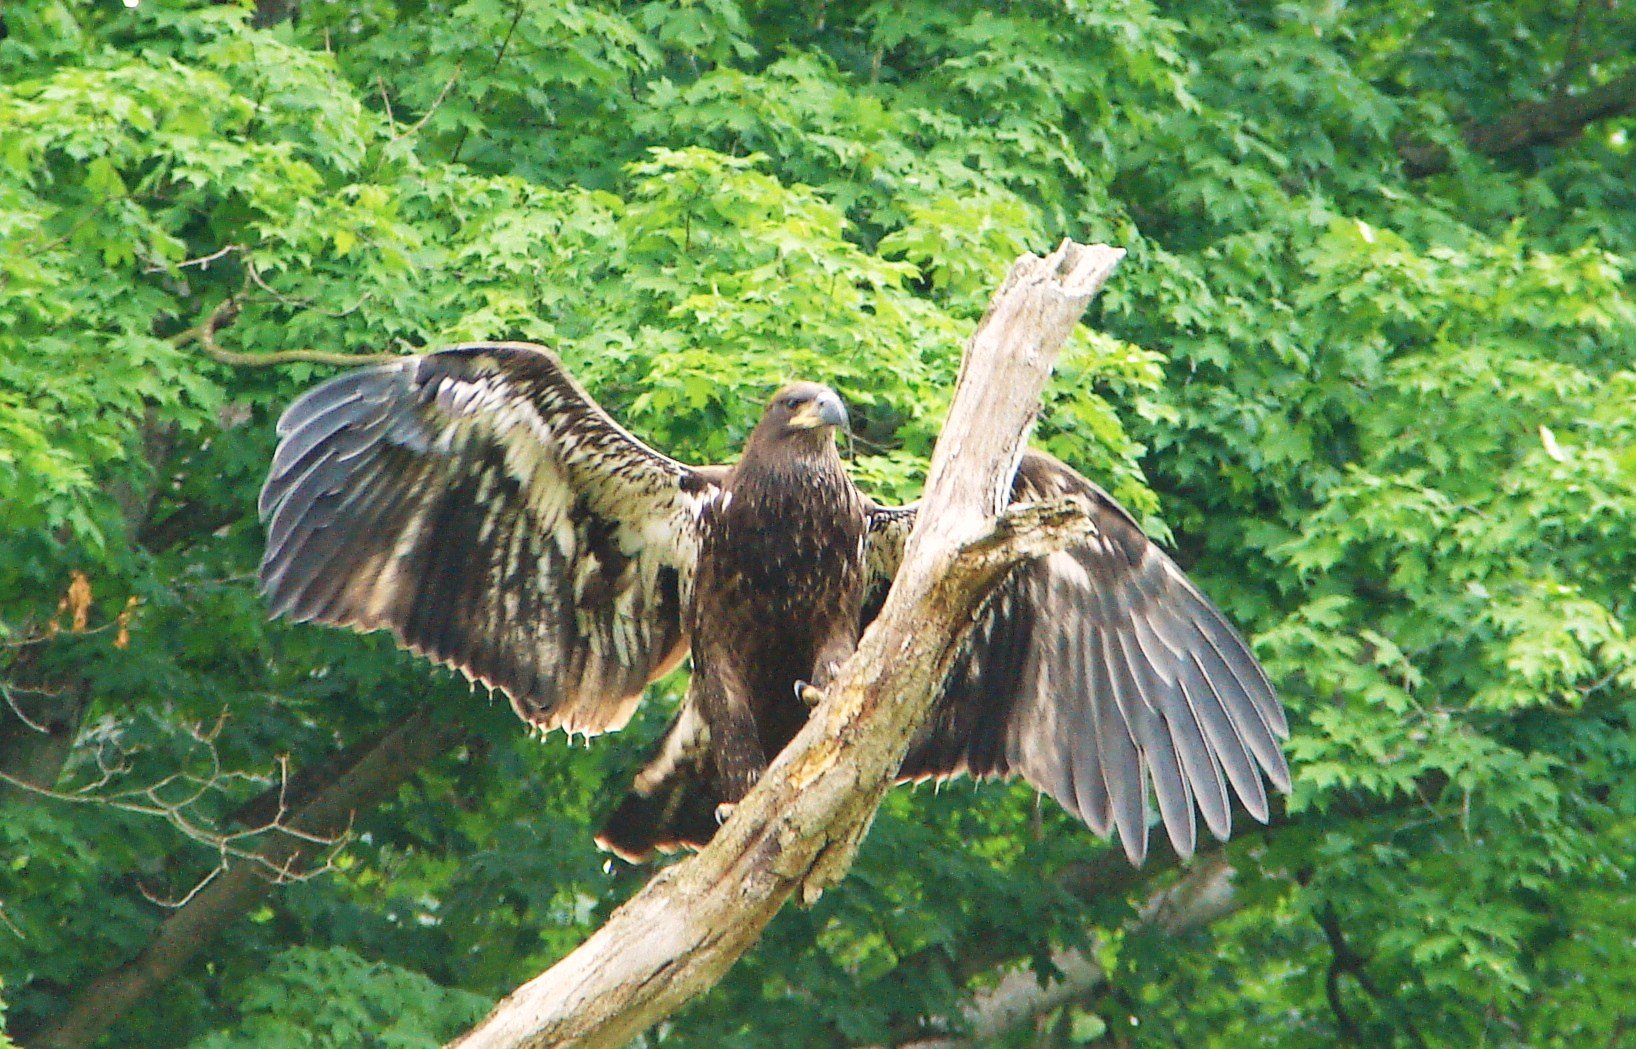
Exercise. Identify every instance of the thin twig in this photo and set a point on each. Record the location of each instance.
(436, 102)
(254, 274)
(499, 56)
(223, 843)
(171, 904)
(391, 121)
(11, 701)
(1601, 683)
(203, 261)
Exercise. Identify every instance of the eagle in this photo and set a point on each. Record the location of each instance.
(477, 503)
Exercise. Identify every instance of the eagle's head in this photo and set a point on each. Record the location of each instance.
(803, 410)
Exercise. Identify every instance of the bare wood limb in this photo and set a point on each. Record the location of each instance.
(201, 261)
(374, 776)
(36, 736)
(176, 799)
(148, 801)
(797, 831)
(1550, 122)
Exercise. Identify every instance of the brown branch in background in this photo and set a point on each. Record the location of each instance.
(1343, 960)
(1573, 51)
(1346, 961)
(1547, 123)
(293, 792)
(374, 776)
(204, 333)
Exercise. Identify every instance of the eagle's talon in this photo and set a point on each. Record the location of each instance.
(809, 694)
(723, 811)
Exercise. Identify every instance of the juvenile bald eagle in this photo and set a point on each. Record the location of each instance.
(478, 504)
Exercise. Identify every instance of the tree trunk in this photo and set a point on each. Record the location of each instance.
(800, 826)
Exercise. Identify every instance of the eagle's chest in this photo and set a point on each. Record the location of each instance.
(781, 564)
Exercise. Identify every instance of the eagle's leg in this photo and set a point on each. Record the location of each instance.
(735, 742)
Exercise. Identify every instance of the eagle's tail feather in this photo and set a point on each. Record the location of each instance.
(677, 812)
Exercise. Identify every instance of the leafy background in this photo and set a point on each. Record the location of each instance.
(1384, 413)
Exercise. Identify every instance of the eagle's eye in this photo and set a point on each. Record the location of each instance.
(792, 403)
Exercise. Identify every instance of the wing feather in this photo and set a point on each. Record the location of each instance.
(1082, 778)
(1123, 769)
(1107, 674)
(1203, 773)
(478, 504)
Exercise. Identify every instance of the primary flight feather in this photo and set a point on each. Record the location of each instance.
(481, 506)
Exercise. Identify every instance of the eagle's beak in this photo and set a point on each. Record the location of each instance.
(825, 410)
(831, 412)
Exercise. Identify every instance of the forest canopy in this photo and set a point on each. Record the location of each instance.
(1368, 370)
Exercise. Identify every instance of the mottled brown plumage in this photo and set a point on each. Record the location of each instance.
(477, 503)
(779, 586)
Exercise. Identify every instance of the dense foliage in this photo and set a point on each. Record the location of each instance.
(1388, 422)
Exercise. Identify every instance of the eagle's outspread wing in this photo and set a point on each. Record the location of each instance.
(1097, 670)
(477, 503)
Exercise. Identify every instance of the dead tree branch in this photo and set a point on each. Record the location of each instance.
(159, 801)
(414, 129)
(797, 831)
(235, 892)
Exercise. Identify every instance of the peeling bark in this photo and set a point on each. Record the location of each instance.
(798, 830)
